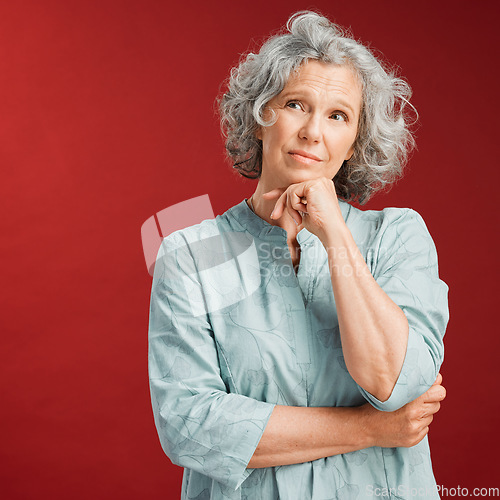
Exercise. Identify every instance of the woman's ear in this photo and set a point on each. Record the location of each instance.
(258, 133)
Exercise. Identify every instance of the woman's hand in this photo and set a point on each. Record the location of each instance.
(409, 425)
(312, 204)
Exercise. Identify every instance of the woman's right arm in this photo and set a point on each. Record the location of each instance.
(302, 434)
(200, 424)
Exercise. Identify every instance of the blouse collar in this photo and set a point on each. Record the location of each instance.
(249, 221)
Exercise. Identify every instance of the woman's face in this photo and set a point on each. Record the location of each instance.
(317, 122)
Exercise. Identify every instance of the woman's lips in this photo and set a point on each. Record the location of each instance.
(304, 157)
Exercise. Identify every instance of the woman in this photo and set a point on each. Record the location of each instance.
(295, 341)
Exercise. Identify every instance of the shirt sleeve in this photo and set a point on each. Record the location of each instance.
(200, 424)
(407, 270)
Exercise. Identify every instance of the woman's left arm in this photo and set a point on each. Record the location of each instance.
(391, 322)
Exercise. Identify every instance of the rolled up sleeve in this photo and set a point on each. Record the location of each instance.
(407, 270)
(200, 424)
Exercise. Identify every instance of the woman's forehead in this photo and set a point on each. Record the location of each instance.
(315, 77)
(324, 74)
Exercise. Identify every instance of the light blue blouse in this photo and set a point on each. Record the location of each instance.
(234, 331)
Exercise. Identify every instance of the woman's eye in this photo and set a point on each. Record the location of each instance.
(293, 105)
(339, 117)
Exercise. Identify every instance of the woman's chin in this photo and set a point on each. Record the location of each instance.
(295, 176)
(304, 175)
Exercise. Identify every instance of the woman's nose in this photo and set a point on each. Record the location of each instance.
(311, 128)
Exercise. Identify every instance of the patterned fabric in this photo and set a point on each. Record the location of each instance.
(234, 331)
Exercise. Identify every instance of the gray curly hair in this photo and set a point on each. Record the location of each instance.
(384, 139)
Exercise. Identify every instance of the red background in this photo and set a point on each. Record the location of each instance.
(106, 117)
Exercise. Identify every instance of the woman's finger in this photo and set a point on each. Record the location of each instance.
(274, 193)
(435, 393)
(438, 380)
(429, 409)
(299, 203)
(291, 210)
(279, 206)
(433, 407)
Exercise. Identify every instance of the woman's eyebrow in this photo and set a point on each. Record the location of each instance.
(345, 104)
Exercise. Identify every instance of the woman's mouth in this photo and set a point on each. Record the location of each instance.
(303, 157)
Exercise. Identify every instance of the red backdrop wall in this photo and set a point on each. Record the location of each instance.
(106, 117)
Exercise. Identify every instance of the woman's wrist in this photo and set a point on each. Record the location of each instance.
(368, 425)
(335, 234)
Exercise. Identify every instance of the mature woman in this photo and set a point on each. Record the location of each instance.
(295, 341)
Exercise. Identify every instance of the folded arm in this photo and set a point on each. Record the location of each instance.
(302, 434)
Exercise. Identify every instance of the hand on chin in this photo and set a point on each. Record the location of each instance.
(312, 203)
